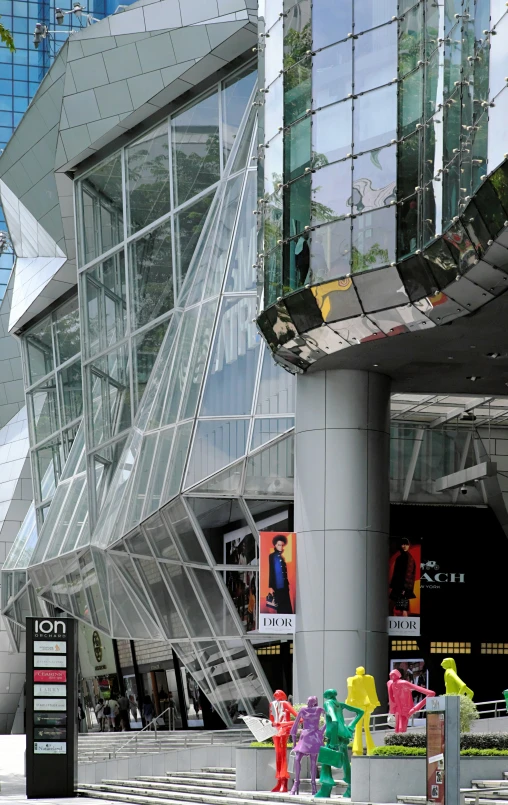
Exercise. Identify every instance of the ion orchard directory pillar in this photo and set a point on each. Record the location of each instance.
(51, 708)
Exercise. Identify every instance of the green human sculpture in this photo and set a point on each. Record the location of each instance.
(338, 734)
(453, 683)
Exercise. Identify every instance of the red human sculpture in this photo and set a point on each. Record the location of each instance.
(280, 715)
(401, 700)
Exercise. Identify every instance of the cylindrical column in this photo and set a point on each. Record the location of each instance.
(342, 521)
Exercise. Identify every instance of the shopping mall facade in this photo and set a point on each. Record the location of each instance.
(261, 257)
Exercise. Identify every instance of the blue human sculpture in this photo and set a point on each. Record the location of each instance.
(310, 741)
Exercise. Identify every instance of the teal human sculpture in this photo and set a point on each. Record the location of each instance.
(338, 734)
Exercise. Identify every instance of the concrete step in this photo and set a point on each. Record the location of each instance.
(204, 775)
(132, 795)
(174, 784)
(482, 800)
(220, 769)
(490, 783)
(228, 793)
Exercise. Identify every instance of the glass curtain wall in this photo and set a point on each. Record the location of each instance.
(52, 372)
(141, 213)
(375, 131)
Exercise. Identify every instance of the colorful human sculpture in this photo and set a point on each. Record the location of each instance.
(280, 715)
(310, 741)
(361, 692)
(453, 683)
(337, 735)
(401, 701)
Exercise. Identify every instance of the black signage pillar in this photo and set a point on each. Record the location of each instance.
(51, 708)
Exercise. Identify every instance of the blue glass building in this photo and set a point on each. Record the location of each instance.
(21, 72)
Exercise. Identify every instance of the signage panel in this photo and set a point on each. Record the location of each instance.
(51, 708)
(50, 704)
(49, 647)
(50, 747)
(50, 690)
(50, 661)
(50, 675)
(277, 581)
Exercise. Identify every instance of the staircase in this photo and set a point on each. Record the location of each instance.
(212, 785)
(96, 746)
(482, 792)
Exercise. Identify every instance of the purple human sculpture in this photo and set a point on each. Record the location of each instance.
(401, 699)
(310, 741)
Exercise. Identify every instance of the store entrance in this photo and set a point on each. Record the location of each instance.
(161, 693)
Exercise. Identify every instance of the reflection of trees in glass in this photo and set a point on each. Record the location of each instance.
(152, 271)
(148, 176)
(363, 261)
(189, 225)
(296, 44)
(197, 166)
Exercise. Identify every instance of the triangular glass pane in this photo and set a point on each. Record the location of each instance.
(77, 596)
(217, 443)
(227, 481)
(198, 360)
(186, 600)
(158, 534)
(183, 532)
(231, 376)
(160, 597)
(138, 544)
(276, 393)
(242, 157)
(267, 429)
(131, 614)
(242, 270)
(192, 289)
(161, 462)
(223, 237)
(236, 97)
(189, 225)
(137, 492)
(213, 593)
(178, 375)
(178, 460)
(127, 573)
(271, 471)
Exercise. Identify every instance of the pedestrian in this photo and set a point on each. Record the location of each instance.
(123, 705)
(148, 711)
(81, 717)
(133, 707)
(114, 718)
(99, 714)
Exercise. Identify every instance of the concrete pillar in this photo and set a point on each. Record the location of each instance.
(342, 521)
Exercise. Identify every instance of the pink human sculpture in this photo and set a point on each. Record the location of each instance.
(280, 715)
(401, 700)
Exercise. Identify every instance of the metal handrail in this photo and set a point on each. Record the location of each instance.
(146, 727)
(380, 721)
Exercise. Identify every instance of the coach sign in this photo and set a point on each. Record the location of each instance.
(51, 708)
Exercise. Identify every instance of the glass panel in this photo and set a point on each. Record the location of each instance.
(76, 489)
(43, 410)
(93, 592)
(274, 109)
(375, 58)
(236, 94)
(299, 197)
(332, 134)
(216, 444)
(67, 330)
(196, 156)
(370, 13)
(374, 178)
(224, 526)
(410, 102)
(140, 483)
(297, 31)
(267, 429)
(71, 392)
(188, 544)
(273, 170)
(151, 273)
(223, 687)
(373, 239)
(222, 241)
(110, 394)
(159, 535)
(330, 251)
(331, 21)
(188, 227)
(297, 146)
(198, 359)
(208, 585)
(179, 368)
(132, 616)
(375, 118)
(247, 680)
(242, 273)
(78, 518)
(39, 347)
(178, 461)
(105, 303)
(273, 53)
(271, 471)
(244, 157)
(102, 198)
(410, 39)
(148, 179)
(297, 94)
(161, 461)
(47, 461)
(332, 74)
(138, 544)
(276, 394)
(145, 350)
(232, 373)
(331, 192)
(188, 604)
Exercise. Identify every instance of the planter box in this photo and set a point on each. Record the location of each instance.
(381, 779)
(255, 769)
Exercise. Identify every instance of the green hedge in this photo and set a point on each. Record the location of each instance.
(468, 740)
(418, 751)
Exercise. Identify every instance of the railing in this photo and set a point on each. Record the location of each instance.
(493, 709)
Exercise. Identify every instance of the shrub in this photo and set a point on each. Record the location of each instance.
(468, 713)
(409, 739)
(468, 740)
(416, 751)
(486, 752)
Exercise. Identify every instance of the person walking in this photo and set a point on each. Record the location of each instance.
(148, 711)
(99, 714)
(123, 713)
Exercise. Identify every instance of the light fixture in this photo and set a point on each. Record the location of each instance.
(77, 9)
(40, 33)
(59, 16)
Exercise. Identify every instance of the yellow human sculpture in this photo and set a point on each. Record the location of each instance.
(361, 692)
(453, 683)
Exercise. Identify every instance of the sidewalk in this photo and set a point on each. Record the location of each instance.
(12, 779)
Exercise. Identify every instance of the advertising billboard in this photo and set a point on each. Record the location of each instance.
(277, 581)
(404, 586)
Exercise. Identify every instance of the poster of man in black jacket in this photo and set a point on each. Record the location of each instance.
(278, 576)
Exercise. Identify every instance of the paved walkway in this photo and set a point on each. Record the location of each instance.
(12, 778)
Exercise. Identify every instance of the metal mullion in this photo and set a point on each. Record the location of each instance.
(191, 201)
(106, 351)
(79, 219)
(108, 442)
(279, 438)
(102, 257)
(221, 133)
(255, 392)
(153, 323)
